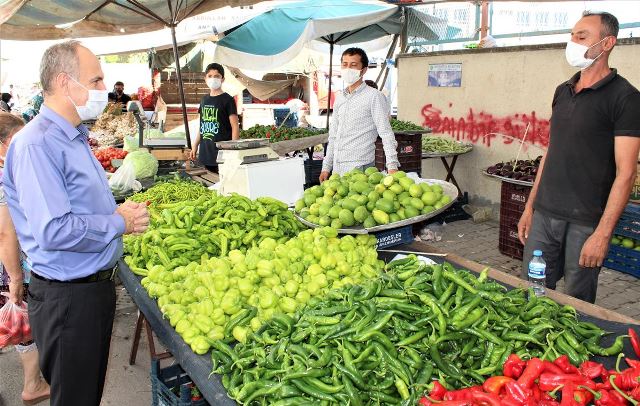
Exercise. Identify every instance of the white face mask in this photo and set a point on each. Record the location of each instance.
(575, 54)
(97, 101)
(214, 83)
(350, 76)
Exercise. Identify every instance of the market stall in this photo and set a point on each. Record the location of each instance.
(445, 149)
(199, 367)
(240, 293)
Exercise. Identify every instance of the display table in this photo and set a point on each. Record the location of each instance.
(448, 166)
(284, 147)
(198, 367)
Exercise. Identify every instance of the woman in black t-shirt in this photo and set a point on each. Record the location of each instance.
(218, 119)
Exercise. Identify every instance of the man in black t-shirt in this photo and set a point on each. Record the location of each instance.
(586, 176)
(218, 119)
(118, 95)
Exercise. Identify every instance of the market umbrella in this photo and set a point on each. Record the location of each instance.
(277, 36)
(57, 19)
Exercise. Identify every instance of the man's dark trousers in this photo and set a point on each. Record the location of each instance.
(71, 325)
(561, 244)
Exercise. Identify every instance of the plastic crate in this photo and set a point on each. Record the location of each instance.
(312, 169)
(391, 238)
(163, 380)
(624, 260)
(409, 153)
(629, 222)
(279, 114)
(513, 199)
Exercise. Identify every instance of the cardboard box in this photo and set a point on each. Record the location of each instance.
(635, 191)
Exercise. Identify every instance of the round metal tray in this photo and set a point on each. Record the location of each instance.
(447, 188)
(509, 180)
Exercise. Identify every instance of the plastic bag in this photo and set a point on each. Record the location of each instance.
(124, 181)
(14, 324)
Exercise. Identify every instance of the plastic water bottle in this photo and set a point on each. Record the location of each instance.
(537, 273)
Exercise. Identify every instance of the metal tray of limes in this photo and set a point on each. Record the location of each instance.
(448, 189)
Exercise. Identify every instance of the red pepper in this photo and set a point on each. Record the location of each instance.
(635, 393)
(425, 402)
(548, 403)
(509, 401)
(617, 397)
(567, 395)
(485, 399)
(462, 394)
(633, 363)
(495, 384)
(437, 391)
(582, 397)
(548, 382)
(456, 403)
(531, 373)
(513, 366)
(552, 368)
(635, 341)
(564, 364)
(518, 392)
(629, 379)
(591, 369)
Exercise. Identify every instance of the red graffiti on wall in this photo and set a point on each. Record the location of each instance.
(483, 128)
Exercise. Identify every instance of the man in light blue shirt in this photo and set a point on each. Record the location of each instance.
(69, 226)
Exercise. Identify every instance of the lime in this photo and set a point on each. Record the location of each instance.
(314, 209)
(401, 213)
(371, 170)
(375, 178)
(371, 205)
(349, 204)
(324, 221)
(324, 210)
(627, 243)
(429, 198)
(405, 183)
(304, 213)
(336, 223)
(417, 203)
(369, 222)
(300, 205)
(425, 187)
(436, 188)
(346, 217)
(342, 190)
(360, 214)
(385, 205)
(445, 199)
(329, 192)
(438, 205)
(399, 174)
(393, 217)
(334, 212)
(389, 195)
(380, 217)
(388, 181)
(411, 212)
(415, 190)
(614, 240)
(309, 199)
(396, 188)
(428, 209)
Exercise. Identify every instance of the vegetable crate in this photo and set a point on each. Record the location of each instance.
(312, 169)
(165, 380)
(391, 238)
(409, 153)
(512, 201)
(624, 259)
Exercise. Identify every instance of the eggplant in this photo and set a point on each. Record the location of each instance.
(527, 178)
(506, 173)
(499, 165)
(534, 171)
(492, 170)
(507, 167)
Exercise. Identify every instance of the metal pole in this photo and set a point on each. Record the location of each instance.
(330, 76)
(180, 85)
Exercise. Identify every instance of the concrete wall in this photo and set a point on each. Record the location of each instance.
(503, 90)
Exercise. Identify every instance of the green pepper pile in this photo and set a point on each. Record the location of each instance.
(441, 145)
(171, 190)
(277, 134)
(383, 341)
(399, 125)
(228, 297)
(182, 231)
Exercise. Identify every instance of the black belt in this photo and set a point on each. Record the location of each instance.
(105, 274)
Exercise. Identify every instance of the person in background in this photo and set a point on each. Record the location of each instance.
(35, 389)
(218, 119)
(34, 106)
(359, 117)
(587, 173)
(118, 95)
(69, 226)
(4, 102)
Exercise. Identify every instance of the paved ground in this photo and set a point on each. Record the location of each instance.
(130, 385)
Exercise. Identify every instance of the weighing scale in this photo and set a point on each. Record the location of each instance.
(252, 169)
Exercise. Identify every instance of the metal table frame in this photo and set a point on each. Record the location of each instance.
(449, 167)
